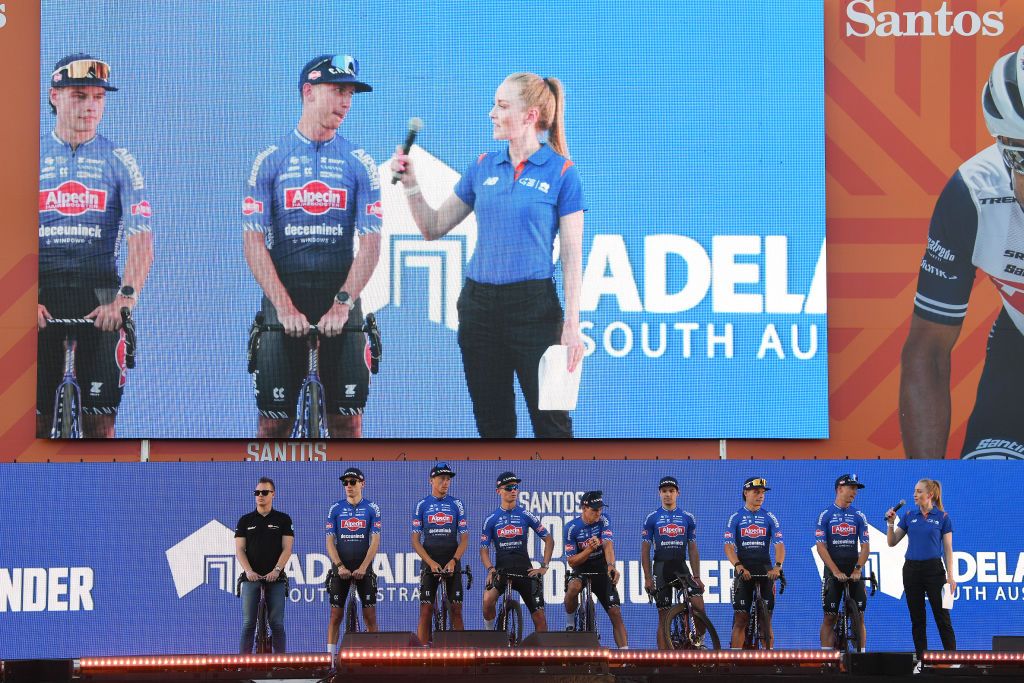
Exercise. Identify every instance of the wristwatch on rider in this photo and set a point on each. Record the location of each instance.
(344, 298)
(778, 565)
(278, 569)
(856, 567)
(128, 292)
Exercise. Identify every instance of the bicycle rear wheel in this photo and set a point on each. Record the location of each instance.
(852, 635)
(351, 614)
(689, 630)
(513, 622)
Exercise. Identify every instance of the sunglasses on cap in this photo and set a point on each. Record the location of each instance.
(757, 484)
(349, 482)
(261, 492)
(85, 68)
(345, 64)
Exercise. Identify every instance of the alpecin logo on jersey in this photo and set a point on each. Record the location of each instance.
(353, 524)
(753, 531)
(440, 519)
(844, 529)
(509, 531)
(72, 198)
(251, 206)
(316, 198)
(142, 209)
(672, 530)
(375, 209)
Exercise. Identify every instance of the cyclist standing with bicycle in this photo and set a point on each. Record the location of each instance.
(91, 192)
(840, 527)
(589, 549)
(509, 528)
(263, 544)
(307, 200)
(440, 536)
(353, 537)
(672, 532)
(749, 536)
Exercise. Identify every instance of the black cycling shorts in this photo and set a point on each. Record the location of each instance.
(99, 356)
(743, 591)
(530, 589)
(832, 591)
(664, 572)
(453, 583)
(601, 586)
(995, 429)
(337, 589)
(282, 361)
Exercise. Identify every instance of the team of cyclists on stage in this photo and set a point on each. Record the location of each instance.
(440, 536)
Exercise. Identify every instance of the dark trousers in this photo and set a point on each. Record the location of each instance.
(921, 577)
(503, 332)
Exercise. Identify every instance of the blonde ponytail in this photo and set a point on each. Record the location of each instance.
(934, 489)
(548, 96)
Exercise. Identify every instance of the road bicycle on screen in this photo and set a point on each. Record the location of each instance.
(67, 406)
(441, 618)
(310, 412)
(759, 628)
(845, 633)
(685, 627)
(261, 639)
(510, 611)
(585, 617)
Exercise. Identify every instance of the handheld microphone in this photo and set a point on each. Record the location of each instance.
(897, 506)
(415, 126)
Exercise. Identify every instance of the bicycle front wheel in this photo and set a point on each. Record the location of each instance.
(351, 615)
(764, 626)
(315, 402)
(66, 422)
(852, 635)
(513, 622)
(689, 630)
(262, 630)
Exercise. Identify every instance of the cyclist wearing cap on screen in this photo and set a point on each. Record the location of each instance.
(508, 528)
(307, 201)
(672, 532)
(589, 549)
(353, 537)
(840, 527)
(749, 536)
(440, 536)
(91, 194)
(976, 224)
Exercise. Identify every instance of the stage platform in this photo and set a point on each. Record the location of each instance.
(499, 665)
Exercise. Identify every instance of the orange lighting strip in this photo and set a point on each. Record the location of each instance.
(972, 657)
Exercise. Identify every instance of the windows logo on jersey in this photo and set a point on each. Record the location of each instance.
(440, 519)
(72, 198)
(753, 531)
(316, 198)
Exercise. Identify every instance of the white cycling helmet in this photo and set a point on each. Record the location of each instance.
(1001, 98)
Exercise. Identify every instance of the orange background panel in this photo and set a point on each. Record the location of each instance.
(901, 114)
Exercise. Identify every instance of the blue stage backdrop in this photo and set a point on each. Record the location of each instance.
(133, 559)
(704, 284)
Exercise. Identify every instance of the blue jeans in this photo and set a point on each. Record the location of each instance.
(276, 594)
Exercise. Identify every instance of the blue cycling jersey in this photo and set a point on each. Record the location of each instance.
(577, 534)
(309, 199)
(352, 525)
(753, 534)
(510, 531)
(440, 522)
(840, 529)
(670, 532)
(89, 197)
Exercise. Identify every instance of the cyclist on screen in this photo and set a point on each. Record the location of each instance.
(508, 528)
(308, 200)
(353, 537)
(840, 527)
(672, 532)
(91, 194)
(749, 536)
(440, 536)
(976, 224)
(589, 549)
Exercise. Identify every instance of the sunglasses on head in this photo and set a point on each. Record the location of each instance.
(86, 68)
(350, 482)
(261, 492)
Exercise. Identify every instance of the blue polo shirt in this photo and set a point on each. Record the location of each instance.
(517, 212)
(925, 532)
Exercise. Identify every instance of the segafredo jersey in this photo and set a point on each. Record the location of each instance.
(977, 224)
(89, 197)
(310, 199)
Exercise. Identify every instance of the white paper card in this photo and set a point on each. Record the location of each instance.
(559, 388)
(947, 597)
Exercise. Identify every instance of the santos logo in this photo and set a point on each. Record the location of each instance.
(862, 21)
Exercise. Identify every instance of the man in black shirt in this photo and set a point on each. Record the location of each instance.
(263, 544)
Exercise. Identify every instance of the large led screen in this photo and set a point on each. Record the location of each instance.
(686, 235)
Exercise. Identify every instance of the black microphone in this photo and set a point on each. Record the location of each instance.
(897, 506)
(415, 126)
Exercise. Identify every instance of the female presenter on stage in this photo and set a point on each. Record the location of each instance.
(930, 533)
(509, 313)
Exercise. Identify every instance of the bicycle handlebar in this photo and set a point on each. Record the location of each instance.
(127, 324)
(369, 328)
(781, 579)
(466, 571)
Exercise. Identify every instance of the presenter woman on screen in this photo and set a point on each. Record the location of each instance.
(930, 534)
(509, 312)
